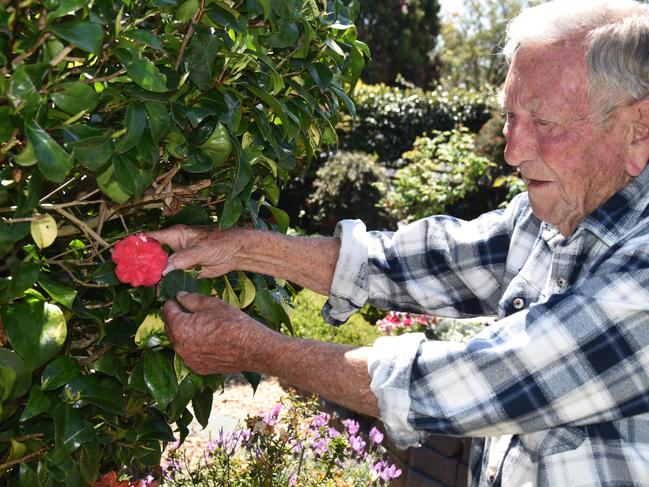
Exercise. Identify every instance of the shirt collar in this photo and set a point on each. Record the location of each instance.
(620, 212)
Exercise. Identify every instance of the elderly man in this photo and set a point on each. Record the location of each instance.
(556, 393)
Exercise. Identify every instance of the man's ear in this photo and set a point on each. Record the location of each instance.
(639, 147)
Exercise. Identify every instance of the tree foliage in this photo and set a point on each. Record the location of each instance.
(121, 116)
(471, 40)
(402, 35)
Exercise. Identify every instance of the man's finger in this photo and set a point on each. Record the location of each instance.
(172, 315)
(175, 237)
(195, 302)
(182, 259)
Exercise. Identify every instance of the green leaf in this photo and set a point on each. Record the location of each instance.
(23, 276)
(232, 209)
(53, 162)
(65, 7)
(277, 106)
(253, 379)
(23, 380)
(70, 430)
(111, 188)
(229, 295)
(202, 406)
(36, 330)
(247, 295)
(190, 215)
(144, 36)
(7, 381)
(59, 372)
(218, 145)
(199, 61)
(151, 333)
(160, 378)
(37, 403)
(106, 394)
(85, 35)
(89, 462)
(22, 91)
(175, 281)
(75, 97)
(160, 122)
(93, 152)
(281, 217)
(197, 162)
(135, 123)
(58, 292)
(128, 175)
(146, 74)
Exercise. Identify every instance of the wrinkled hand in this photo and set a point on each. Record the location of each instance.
(208, 248)
(211, 336)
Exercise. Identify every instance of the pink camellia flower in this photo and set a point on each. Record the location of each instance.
(140, 260)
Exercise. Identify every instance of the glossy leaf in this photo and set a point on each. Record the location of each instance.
(58, 292)
(53, 162)
(229, 295)
(160, 378)
(231, 211)
(36, 330)
(202, 406)
(110, 187)
(59, 372)
(93, 152)
(37, 403)
(75, 97)
(85, 35)
(146, 75)
(135, 123)
(151, 333)
(177, 280)
(107, 394)
(7, 382)
(247, 295)
(22, 382)
(71, 431)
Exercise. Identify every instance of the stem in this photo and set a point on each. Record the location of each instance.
(61, 56)
(24, 459)
(83, 227)
(28, 53)
(189, 33)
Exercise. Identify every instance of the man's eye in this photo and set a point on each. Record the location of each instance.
(542, 123)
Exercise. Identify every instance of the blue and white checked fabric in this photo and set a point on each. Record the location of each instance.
(562, 378)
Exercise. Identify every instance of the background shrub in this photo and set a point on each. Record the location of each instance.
(390, 118)
(307, 323)
(345, 187)
(440, 172)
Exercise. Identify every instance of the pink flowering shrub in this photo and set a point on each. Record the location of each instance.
(140, 260)
(398, 323)
(293, 444)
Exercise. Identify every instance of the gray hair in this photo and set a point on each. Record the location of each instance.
(617, 44)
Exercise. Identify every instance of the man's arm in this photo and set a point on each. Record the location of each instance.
(214, 337)
(307, 261)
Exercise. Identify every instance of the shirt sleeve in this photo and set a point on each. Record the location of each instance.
(580, 358)
(439, 264)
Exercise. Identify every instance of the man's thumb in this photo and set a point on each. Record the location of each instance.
(194, 302)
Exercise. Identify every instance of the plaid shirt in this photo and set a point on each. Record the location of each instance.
(557, 391)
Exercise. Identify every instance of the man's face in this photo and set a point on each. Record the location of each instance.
(570, 163)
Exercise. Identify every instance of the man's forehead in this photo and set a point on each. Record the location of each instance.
(550, 76)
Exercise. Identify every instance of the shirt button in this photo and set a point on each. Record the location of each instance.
(518, 303)
(561, 282)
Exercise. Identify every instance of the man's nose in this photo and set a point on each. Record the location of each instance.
(521, 143)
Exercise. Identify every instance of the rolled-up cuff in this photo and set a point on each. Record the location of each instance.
(390, 366)
(349, 288)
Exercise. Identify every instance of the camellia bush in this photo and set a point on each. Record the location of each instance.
(117, 117)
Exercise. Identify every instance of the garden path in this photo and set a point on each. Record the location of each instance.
(231, 408)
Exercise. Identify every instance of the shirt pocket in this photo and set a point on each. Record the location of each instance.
(551, 442)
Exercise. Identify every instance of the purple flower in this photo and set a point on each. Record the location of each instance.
(391, 472)
(333, 433)
(357, 443)
(351, 426)
(270, 417)
(320, 420)
(292, 479)
(376, 436)
(320, 446)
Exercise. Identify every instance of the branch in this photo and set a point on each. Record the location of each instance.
(28, 53)
(24, 459)
(83, 226)
(61, 56)
(189, 33)
(79, 281)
